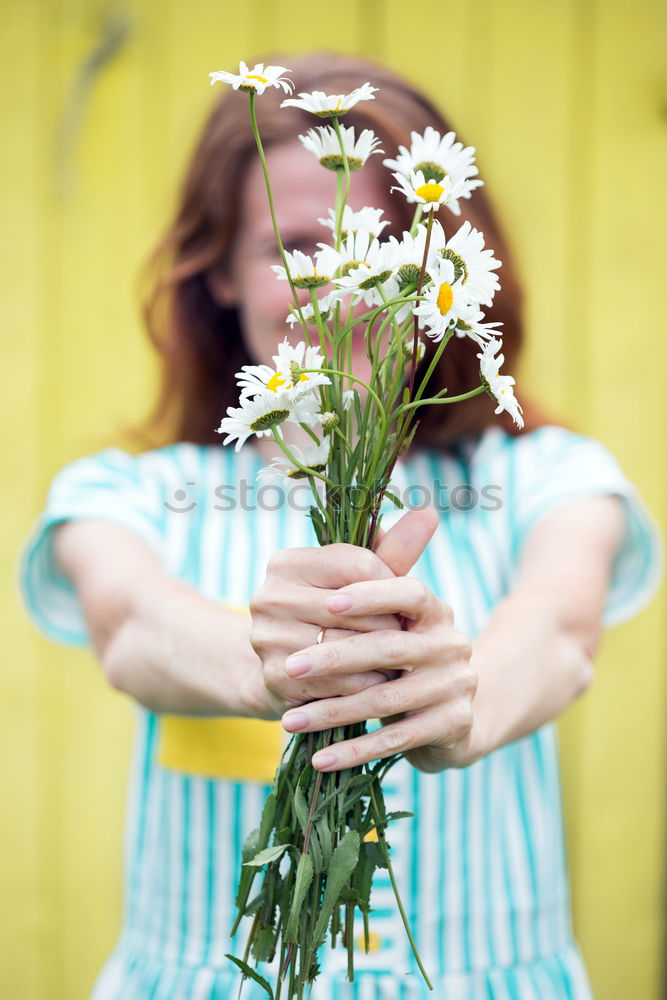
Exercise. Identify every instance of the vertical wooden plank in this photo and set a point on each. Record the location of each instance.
(292, 26)
(531, 134)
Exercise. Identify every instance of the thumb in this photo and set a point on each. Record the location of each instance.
(401, 546)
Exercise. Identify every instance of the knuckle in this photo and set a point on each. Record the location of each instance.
(389, 700)
(328, 714)
(393, 648)
(470, 680)
(395, 738)
(418, 592)
(447, 612)
(277, 562)
(462, 721)
(586, 677)
(257, 599)
(356, 562)
(266, 600)
(329, 658)
(461, 646)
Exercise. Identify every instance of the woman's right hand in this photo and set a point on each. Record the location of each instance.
(287, 609)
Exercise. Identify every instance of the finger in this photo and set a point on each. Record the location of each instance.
(394, 650)
(329, 566)
(404, 595)
(300, 605)
(401, 546)
(422, 729)
(378, 701)
(406, 734)
(333, 689)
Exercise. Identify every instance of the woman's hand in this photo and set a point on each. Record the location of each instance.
(433, 695)
(289, 609)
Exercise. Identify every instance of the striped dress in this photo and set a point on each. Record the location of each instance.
(482, 867)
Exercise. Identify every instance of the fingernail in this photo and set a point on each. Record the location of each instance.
(295, 720)
(325, 758)
(339, 602)
(298, 665)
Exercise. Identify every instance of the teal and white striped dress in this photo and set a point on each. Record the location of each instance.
(482, 866)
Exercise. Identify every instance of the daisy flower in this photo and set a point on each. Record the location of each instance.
(444, 301)
(286, 375)
(306, 272)
(256, 79)
(265, 411)
(410, 252)
(323, 142)
(313, 456)
(473, 265)
(428, 193)
(308, 313)
(367, 264)
(409, 343)
(437, 157)
(368, 220)
(331, 105)
(499, 387)
(471, 324)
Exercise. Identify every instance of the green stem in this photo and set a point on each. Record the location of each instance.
(353, 378)
(302, 468)
(267, 181)
(435, 400)
(385, 851)
(346, 164)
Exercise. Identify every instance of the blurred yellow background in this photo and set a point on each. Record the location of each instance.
(567, 104)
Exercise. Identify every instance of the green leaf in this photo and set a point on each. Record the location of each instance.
(264, 945)
(324, 836)
(250, 845)
(251, 974)
(399, 814)
(343, 862)
(300, 808)
(247, 876)
(316, 850)
(304, 876)
(267, 820)
(397, 502)
(319, 524)
(357, 407)
(268, 854)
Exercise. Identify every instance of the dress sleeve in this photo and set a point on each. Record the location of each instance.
(553, 466)
(108, 486)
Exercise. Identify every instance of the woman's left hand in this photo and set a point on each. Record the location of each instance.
(427, 710)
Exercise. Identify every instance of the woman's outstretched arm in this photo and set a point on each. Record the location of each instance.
(172, 649)
(157, 638)
(536, 654)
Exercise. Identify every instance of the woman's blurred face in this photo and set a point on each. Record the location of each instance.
(303, 192)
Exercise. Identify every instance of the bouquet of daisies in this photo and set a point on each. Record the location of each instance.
(322, 835)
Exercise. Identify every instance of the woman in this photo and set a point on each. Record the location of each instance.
(504, 610)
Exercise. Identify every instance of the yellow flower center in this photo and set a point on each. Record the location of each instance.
(430, 191)
(445, 298)
(372, 836)
(253, 76)
(275, 382)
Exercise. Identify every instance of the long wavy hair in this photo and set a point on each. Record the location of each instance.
(201, 343)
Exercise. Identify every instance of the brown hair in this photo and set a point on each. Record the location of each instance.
(201, 343)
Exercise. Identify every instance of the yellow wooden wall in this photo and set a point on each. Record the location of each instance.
(567, 104)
